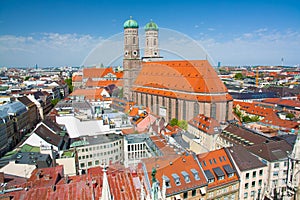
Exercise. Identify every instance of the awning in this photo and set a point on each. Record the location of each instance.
(203, 191)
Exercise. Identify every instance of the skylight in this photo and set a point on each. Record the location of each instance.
(186, 176)
(176, 179)
(167, 181)
(196, 175)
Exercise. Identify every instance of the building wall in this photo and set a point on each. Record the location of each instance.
(185, 109)
(252, 183)
(151, 48)
(206, 141)
(131, 61)
(192, 194)
(3, 138)
(276, 174)
(133, 153)
(100, 154)
(225, 192)
(69, 165)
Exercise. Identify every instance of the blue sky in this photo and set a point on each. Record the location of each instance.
(51, 32)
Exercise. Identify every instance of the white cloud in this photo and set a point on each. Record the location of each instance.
(46, 49)
(261, 46)
(258, 47)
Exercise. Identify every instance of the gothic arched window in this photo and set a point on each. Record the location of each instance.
(196, 109)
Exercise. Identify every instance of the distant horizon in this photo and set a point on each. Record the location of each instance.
(235, 33)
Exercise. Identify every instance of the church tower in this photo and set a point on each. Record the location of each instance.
(131, 60)
(151, 44)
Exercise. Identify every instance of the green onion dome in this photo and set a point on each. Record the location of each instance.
(130, 23)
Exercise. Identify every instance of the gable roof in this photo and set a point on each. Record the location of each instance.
(216, 163)
(175, 167)
(283, 102)
(77, 78)
(95, 72)
(184, 75)
(26, 101)
(53, 125)
(92, 94)
(47, 135)
(271, 151)
(244, 159)
(206, 124)
(241, 136)
(186, 79)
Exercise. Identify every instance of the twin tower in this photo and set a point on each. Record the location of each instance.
(132, 62)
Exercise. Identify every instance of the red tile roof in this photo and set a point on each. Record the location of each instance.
(186, 96)
(205, 124)
(269, 114)
(283, 102)
(253, 108)
(77, 78)
(124, 184)
(102, 83)
(174, 78)
(177, 164)
(273, 119)
(217, 159)
(100, 72)
(96, 72)
(89, 93)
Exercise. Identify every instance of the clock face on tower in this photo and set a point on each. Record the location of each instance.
(134, 53)
(126, 53)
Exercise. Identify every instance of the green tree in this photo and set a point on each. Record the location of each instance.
(183, 124)
(26, 78)
(174, 122)
(54, 101)
(290, 115)
(255, 118)
(246, 119)
(69, 83)
(239, 76)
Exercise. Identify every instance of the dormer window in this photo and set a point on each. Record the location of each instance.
(167, 181)
(195, 174)
(219, 173)
(186, 176)
(176, 179)
(210, 176)
(229, 171)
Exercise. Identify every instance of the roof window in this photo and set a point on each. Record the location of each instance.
(220, 174)
(167, 181)
(186, 176)
(176, 179)
(195, 174)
